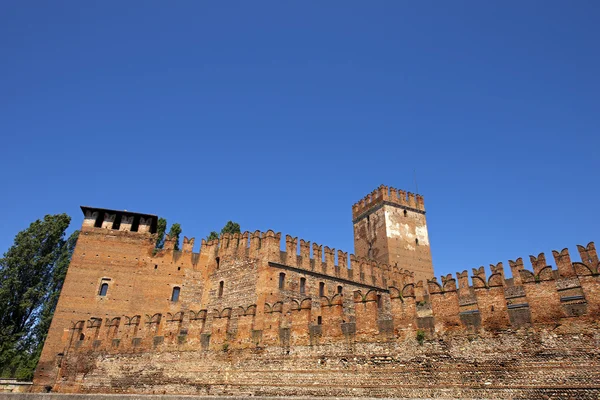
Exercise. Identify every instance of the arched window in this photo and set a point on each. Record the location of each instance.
(221, 284)
(339, 289)
(302, 285)
(175, 294)
(103, 289)
(405, 213)
(281, 280)
(417, 241)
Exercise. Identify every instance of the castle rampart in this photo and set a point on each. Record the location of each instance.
(241, 299)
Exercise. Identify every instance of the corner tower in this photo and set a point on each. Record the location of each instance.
(390, 228)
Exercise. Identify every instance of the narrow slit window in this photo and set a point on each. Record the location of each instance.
(405, 213)
(221, 284)
(321, 289)
(281, 280)
(319, 320)
(103, 289)
(417, 241)
(302, 285)
(218, 260)
(175, 294)
(339, 289)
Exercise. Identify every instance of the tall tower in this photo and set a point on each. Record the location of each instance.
(390, 228)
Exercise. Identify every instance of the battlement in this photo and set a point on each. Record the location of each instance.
(492, 303)
(125, 221)
(387, 195)
(299, 254)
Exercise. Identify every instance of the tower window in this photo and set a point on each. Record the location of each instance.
(405, 213)
(81, 336)
(319, 320)
(302, 285)
(103, 289)
(175, 294)
(339, 289)
(417, 241)
(281, 280)
(218, 260)
(221, 284)
(321, 289)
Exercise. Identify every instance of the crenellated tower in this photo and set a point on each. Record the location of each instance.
(390, 228)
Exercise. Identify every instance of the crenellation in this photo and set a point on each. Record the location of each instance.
(463, 282)
(188, 245)
(329, 264)
(538, 263)
(497, 276)
(589, 256)
(169, 243)
(255, 244)
(563, 263)
(449, 283)
(317, 260)
(479, 279)
(515, 269)
(305, 254)
(291, 250)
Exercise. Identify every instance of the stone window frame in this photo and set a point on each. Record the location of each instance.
(107, 282)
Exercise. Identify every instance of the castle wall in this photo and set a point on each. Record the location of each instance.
(251, 318)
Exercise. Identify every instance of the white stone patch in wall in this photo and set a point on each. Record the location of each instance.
(421, 232)
(397, 229)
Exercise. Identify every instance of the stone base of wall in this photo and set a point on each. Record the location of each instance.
(528, 364)
(442, 394)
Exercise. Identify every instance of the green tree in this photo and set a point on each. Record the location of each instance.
(175, 232)
(31, 276)
(230, 227)
(161, 228)
(47, 311)
(212, 236)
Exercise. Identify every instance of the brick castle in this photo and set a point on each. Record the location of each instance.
(243, 317)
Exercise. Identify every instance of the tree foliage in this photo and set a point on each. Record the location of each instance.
(161, 228)
(212, 236)
(174, 233)
(32, 273)
(230, 227)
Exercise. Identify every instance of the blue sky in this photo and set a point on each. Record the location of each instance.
(281, 115)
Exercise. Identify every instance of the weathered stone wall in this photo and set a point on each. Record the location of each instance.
(514, 365)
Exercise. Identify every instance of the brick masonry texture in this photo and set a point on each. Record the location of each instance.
(261, 315)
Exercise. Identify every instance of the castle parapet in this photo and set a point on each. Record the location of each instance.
(124, 221)
(387, 195)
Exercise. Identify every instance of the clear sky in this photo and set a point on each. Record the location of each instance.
(280, 115)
